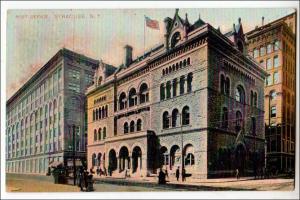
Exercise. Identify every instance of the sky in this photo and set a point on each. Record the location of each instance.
(34, 36)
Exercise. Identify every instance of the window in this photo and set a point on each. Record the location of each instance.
(174, 87)
(269, 48)
(239, 120)
(269, 80)
(262, 51)
(276, 61)
(132, 126)
(182, 80)
(240, 94)
(74, 87)
(225, 118)
(122, 101)
(125, 127)
(273, 111)
(189, 159)
(253, 125)
(104, 133)
(273, 95)
(262, 63)
(276, 77)
(94, 115)
(99, 133)
(95, 135)
(165, 120)
(144, 93)
(132, 97)
(168, 87)
(255, 53)
(139, 125)
(162, 92)
(189, 82)
(269, 63)
(74, 74)
(185, 116)
(174, 118)
(276, 45)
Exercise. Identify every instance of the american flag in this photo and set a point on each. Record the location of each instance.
(152, 23)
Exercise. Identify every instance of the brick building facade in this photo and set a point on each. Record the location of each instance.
(196, 96)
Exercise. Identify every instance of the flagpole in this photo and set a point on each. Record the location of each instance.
(144, 34)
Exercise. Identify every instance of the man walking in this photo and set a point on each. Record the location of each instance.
(177, 173)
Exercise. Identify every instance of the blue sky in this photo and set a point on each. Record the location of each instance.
(34, 36)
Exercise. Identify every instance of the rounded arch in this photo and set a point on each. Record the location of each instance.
(93, 159)
(99, 158)
(189, 155)
(240, 93)
(122, 100)
(136, 159)
(137, 144)
(175, 114)
(165, 119)
(132, 126)
(139, 125)
(124, 158)
(186, 115)
(144, 92)
(175, 38)
(175, 156)
(112, 161)
(123, 144)
(125, 128)
(132, 97)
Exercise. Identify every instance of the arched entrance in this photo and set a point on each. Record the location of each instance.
(136, 159)
(175, 156)
(189, 158)
(163, 157)
(240, 158)
(112, 165)
(99, 159)
(124, 158)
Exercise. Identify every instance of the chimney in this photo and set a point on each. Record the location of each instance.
(262, 20)
(128, 55)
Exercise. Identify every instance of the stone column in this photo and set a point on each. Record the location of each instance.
(118, 163)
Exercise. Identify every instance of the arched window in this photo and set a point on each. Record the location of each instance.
(139, 125)
(163, 72)
(104, 133)
(122, 101)
(240, 94)
(182, 82)
(94, 159)
(165, 120)
(173, 67)
(162, 91)
(184, 62)
(144, 93)
(99, 133)
(222, 82)
(103, 111)
(225, 117)
(239, 120)
(175, 39)
(185, 115)
(175, 118)
(177, 66)
(189, 82)
(100, 80)
(95, 135)
(174, 87)
(252, 98)
(100, 113)
(132, 97)
(131, 126)
(125, 127)
(255, 99)
(106, 111)
(188, 61)
(170, 69)
(97, 113)
(227, 86)
(253, 125)
(168, 87)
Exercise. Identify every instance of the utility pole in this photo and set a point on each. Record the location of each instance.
(74, 166)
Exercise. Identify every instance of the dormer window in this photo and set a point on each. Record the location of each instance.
(100, 80)
(175, 39)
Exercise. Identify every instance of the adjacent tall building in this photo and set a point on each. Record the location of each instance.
(273, 45)
(41, 115)
(195, 102)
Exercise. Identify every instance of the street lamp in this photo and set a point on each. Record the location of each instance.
(73, 150)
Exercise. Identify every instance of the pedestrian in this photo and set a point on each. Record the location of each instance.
(80, 184)
(183, 175)
(105, 172)
(98, 171)
(85, 178)
(167, 174)
(177, 173)
(237, 174)
(161, 177)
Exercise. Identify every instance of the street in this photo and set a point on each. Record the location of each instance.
(38, 183)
